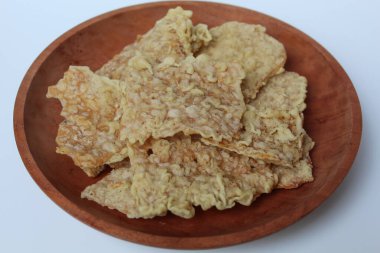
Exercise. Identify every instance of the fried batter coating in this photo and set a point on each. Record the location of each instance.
(201, 37)
(197, 96)
(273, 123)
(91, 108)
(172, 36)
(300, 172)
(178, 174)
(261, 55)
(176, 129)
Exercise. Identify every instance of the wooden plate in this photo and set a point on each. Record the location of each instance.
(333, 119)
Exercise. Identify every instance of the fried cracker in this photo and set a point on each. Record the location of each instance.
(261, 55)
(201, 37)
(173, 37)
(91, 108)
(273, 130)
(197, 96)
(300, 173)
(178, 174)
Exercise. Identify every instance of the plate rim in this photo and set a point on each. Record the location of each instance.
(199, 242)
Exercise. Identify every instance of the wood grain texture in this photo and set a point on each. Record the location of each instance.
(333, 119)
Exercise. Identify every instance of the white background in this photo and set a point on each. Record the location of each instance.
(347, 222)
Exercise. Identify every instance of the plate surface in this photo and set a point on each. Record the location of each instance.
(333, 119)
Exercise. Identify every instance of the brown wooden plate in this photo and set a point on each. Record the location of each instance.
(332, 118)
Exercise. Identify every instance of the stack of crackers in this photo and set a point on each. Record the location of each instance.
(187, 116)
